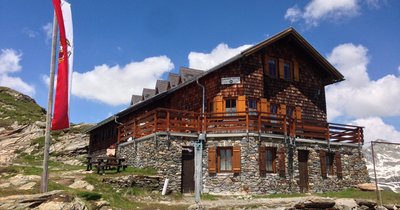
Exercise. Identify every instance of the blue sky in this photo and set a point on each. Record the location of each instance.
(124, 46)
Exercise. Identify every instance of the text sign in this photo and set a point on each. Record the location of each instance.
(230, 80)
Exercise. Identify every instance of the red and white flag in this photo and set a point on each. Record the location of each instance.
(65, 57)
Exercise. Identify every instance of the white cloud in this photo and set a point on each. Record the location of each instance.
(114, 85)
(375, 129)
(29, 32)
(221, 53)
(9, 63)
(318, 10)
(48, 30)
(358, 96)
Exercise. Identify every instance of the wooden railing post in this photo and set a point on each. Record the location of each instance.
(155, 121)
(168, 122)
(284, 125)
(247, 122)
(134, 129)
(259, 122)
(119, 134)
(327, 133)
(205, 123)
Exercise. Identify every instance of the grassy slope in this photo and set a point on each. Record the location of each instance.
(15, 106)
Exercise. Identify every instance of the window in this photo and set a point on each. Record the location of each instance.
(252, 106)
(270, 157)
(272, 67)
(271, 160)
(210, 107)
(329, 163)
(230, 106)
(287, 73)
(274, 109)
(225, 159)
(290, 111)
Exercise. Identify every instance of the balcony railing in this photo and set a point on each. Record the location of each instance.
(168, 120)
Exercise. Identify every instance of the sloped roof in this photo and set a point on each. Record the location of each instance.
(187, 73)
(174, 79)
(136, 99)
(162, 86)
(175, 83)
(148, 93)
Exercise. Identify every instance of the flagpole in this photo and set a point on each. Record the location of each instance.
(47, 139)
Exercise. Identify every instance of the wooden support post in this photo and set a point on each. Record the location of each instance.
(247, 122)
(155, 121)
(168, 122)
(259, 122)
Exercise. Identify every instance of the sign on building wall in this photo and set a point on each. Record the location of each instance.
(230, 80)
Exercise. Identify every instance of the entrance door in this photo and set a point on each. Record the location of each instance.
(303, 170)
(187, 170)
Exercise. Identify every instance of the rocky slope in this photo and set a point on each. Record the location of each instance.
(22, 126)
(387, 164)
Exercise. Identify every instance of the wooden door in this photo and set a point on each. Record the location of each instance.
(187, 170)
(303, 170)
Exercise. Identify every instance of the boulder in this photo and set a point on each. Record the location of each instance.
(368, 187)
(50, 200)
(315, 202)
(346, 204)
(80, 184)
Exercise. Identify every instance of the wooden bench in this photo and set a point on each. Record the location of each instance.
(108, 163)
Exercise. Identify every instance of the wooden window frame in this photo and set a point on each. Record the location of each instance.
(288, 75)
(272, 73)
(272, 163)
(250, 102)
(229, 101)
(330, 157)
(219, 149)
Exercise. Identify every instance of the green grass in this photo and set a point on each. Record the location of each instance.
(388, 197)
(89, 196)
(22, 109)
(209, 197)
(280, 195)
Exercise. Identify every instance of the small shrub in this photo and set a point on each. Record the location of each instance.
(89, 196)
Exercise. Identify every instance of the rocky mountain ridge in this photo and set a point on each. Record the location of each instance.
(387, 164)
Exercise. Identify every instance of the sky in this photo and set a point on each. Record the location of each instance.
(121, 47)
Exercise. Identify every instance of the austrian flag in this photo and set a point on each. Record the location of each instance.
(65, 57)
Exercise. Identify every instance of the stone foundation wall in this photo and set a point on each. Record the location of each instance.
(165, 154)
(162, 153)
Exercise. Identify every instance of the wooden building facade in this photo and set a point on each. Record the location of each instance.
(264, 118)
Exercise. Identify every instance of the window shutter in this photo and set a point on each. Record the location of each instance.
(218, 106)
(281, 162)
(338, 161)
(298, 113)
(212, 160)
(322, 156)
(261, 161)
(282, 110)
(241, 104)
(296, 71)
(264, 106)
(236, 159)
(281, 68)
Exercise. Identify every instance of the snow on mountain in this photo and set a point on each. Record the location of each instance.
(387, 164)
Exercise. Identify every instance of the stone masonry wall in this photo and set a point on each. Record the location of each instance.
(249, 180)
(162, 153)
(165, 154)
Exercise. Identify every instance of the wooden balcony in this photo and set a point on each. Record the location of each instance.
(168, 120)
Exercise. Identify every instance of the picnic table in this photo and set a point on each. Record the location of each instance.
(106, 163)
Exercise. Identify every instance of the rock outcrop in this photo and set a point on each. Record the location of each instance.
(50, 200)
